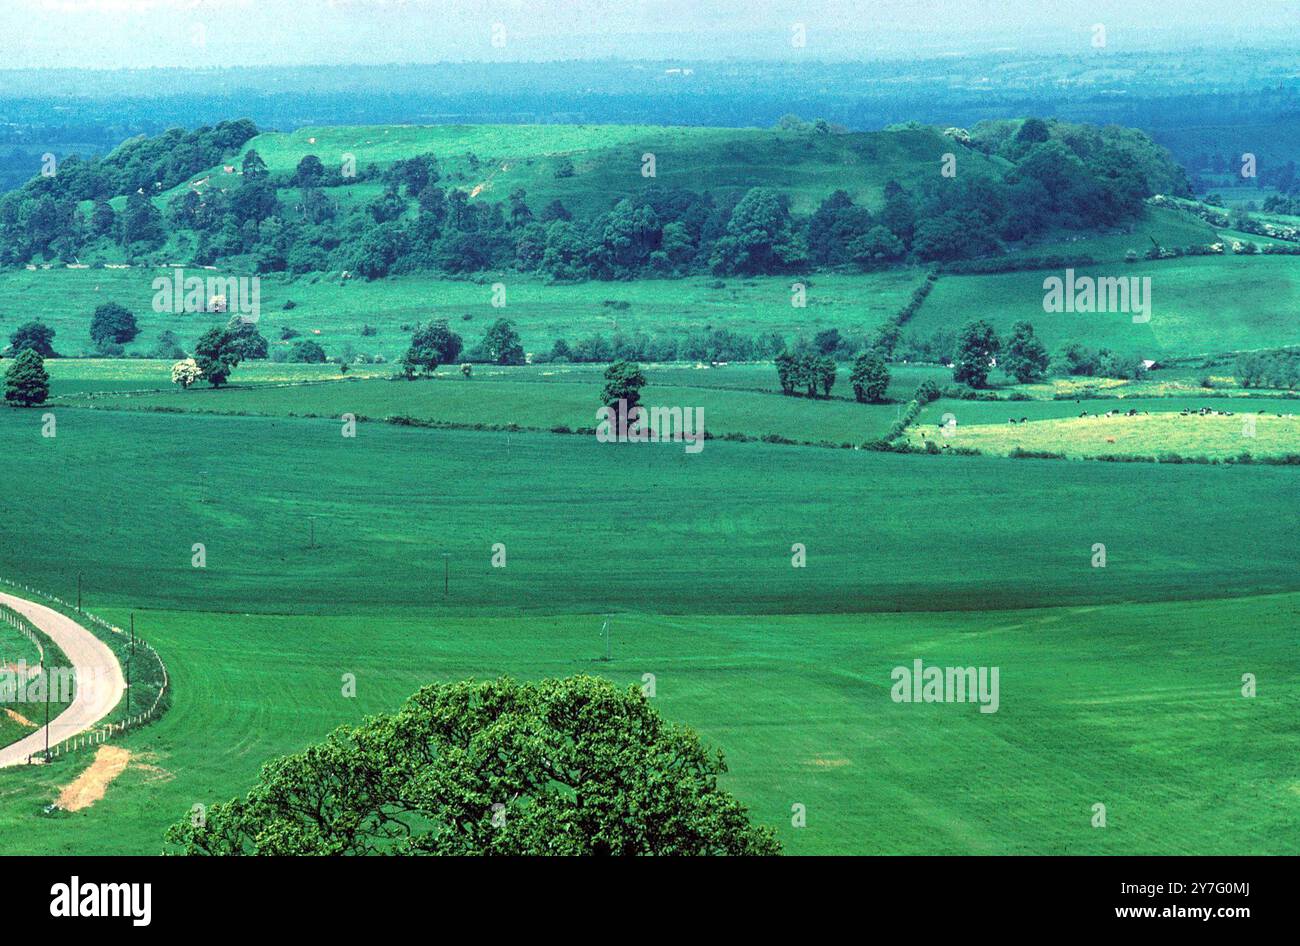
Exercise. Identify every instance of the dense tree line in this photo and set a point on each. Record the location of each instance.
(1057, 175)
(1265, 369)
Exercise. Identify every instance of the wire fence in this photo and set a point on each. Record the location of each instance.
(24, 627)
(119, 641)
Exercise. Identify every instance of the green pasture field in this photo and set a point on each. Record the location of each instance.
(998, 412)
(1130, 672)
(1151, 435)
(954, 560)
(1134, 706)
(716, 526)
(1200, 305)
(339, 308)
(456, 401)
(1167, 226)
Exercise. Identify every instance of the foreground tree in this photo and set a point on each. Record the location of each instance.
(217, 353)
(1025, 358)
(557, 767)
(977, 346)
(26, 382)
(870, 378)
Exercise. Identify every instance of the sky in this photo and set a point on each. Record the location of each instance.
(170, 33)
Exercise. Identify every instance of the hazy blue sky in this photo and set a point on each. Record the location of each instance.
(136, 33)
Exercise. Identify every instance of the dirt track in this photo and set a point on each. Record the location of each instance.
(100, 684)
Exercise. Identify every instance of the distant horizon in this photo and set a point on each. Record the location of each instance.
(152, 34)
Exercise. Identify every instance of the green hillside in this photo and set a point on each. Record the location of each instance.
(489, 161)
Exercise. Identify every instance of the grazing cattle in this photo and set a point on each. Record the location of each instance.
(1023, 419)
(1084, 414)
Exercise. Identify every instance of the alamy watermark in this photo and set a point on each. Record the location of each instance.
(237, 295)
(1099, 294)
(20, 683)
(651, 425)
(921, 684)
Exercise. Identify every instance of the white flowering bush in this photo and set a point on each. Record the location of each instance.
(185, 372)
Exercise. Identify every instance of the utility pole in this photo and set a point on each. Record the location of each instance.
(446, 574)
(79, 592)
(130, 660)
(46, 680)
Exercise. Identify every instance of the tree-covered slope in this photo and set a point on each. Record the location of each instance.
(576, 202)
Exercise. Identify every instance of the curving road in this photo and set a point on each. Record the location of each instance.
(100, 684)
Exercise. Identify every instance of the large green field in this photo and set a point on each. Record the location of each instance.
(338, 308)
(744, 400)
(1120, 684)
(1199, 305)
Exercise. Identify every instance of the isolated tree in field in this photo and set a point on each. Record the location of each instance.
(26, 382)
(447, 343)
(432, 344)
(1025, 358)
(501, 345)
(307, 352)
(112, 324)
(870, 378)
(217, 355)
(825, 370)
(185, 373)
(36, 336)
(557, 767)
(977, 345)
(623, 381)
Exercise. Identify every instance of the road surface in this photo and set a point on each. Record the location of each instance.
(100, 684)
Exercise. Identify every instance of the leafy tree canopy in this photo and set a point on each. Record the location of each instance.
(558, 767)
